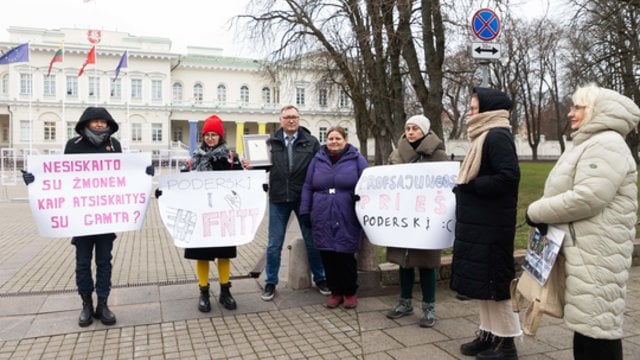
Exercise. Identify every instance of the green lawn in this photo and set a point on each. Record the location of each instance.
(532, 178)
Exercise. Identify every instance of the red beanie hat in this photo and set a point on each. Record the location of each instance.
(213, 123)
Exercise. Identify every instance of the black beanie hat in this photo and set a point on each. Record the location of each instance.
(492, 99)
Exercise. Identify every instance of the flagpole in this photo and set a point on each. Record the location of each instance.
(30, 100)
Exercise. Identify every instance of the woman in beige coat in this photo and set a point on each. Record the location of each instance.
(592, 193)
(418, 144)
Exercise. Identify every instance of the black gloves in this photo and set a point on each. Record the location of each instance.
(158, 193)
(305, 219)
(150, 170)
(265, 187)
(27, 177)
(543, 228)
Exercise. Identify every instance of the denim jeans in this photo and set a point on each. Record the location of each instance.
(279, 214)
(84, 253)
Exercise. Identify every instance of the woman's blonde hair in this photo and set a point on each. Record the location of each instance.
(586, 95)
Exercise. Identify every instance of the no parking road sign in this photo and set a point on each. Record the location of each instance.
(485, 25)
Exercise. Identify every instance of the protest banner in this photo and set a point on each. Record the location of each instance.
(408, 205)
(86, 194)
(212, 208)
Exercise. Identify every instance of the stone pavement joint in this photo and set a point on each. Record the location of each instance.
(155, 294)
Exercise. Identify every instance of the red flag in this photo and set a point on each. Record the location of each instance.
(91, 59)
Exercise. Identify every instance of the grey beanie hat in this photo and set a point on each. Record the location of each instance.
(423, 123)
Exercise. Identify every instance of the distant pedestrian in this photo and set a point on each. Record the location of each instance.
(327, 207)
(292, 148)
(591, 192)
(417, 144)
(213, 155)
(486, 207)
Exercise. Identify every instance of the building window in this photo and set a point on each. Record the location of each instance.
(177, 93)
(25, 84)
(244, 94)
(5, 84)
(323, 94)
(72, 86)
(266, 95)
(156, 132)
(5, 132)
(94, 87)
(50, 131)
(25, 130)
(49, 86)
(300, 101)
(198, 93)
(71, 129)
(222, 94)
(116, 88)
(156, 90)
(322, 135)
(343, 99)
(136, 132)
(136, 89)
(177, 134)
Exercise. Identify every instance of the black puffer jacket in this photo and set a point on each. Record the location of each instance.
(285, 185)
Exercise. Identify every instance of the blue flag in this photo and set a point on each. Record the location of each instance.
(18, 54)
(124, 62)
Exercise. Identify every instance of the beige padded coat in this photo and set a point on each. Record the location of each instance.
(593, 186)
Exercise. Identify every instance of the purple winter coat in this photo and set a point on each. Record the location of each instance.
(327, 195)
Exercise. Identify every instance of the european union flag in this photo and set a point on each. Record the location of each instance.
(19, 53)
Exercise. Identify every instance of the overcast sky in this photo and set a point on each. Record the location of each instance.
(184, 22)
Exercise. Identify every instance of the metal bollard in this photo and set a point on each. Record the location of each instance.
(299, 270)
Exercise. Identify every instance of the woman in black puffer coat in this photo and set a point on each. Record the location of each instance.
(486, 206)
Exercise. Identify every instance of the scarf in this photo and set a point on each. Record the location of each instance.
(96, 137)
(205, 157)
(478, 127)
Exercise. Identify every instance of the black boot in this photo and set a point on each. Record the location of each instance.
(226, 299)
(86, 315)
(481, 343)
(203, 303)
(103, 313)
(503, 348)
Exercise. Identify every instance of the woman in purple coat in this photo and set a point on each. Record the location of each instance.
(327, 206)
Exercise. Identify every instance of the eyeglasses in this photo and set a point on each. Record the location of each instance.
(291, 117)
(211, 135)
(575, 108)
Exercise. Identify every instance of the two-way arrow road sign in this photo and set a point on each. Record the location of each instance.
(485, 50)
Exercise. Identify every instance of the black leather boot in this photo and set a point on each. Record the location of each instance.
(503, 348)
(103, 313)
(203, 303)
(482, 342)
(226, 299)
(86, 315)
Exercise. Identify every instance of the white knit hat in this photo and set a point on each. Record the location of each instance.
(423, 123)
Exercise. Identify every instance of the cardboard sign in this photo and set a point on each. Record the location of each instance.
(86, 194)
(212, 208)
(408, 205)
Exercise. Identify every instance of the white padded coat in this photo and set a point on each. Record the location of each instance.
(594, 187)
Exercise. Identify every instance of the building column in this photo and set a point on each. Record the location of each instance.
(239, 135)
(262, 128)
(193, 136)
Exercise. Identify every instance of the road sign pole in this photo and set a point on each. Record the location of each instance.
(484, 68)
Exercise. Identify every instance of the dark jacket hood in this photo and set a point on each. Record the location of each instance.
(92, 113)
(492, 99)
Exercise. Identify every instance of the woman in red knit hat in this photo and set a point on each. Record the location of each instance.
(212, 155)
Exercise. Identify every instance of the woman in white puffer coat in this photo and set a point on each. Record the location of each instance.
(592, 191)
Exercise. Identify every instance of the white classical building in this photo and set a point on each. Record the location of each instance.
(155, 98)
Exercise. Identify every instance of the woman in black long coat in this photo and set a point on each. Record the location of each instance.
(486, 206)
(212, 155)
